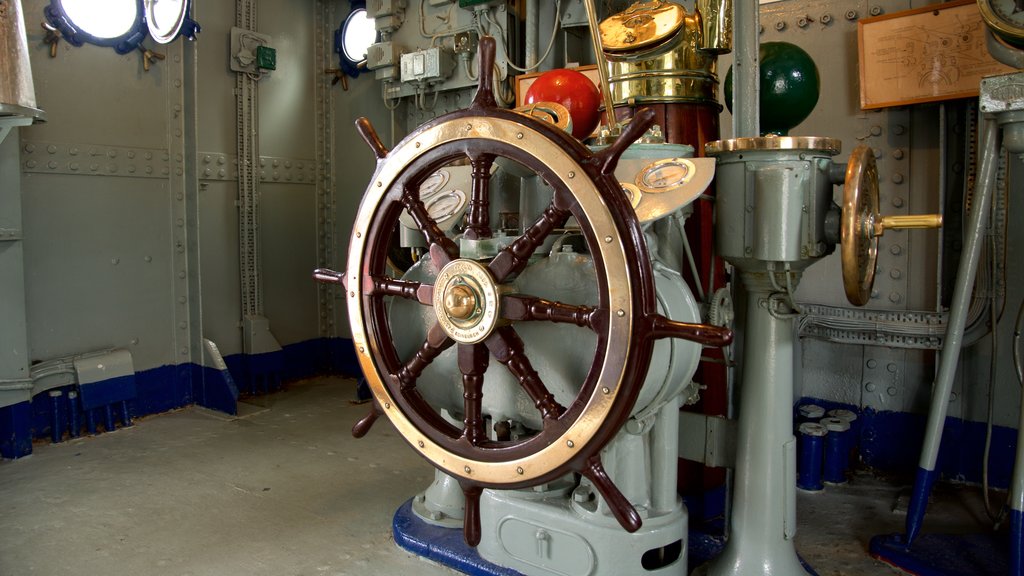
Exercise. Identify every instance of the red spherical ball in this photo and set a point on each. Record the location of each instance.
(574, 91)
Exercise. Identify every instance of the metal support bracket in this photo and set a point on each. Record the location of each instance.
(710, 440)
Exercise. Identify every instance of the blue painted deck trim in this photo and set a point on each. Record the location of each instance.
(447, 547)
(16, 430)
(170, 387)
(1016, 543)
(96, 394)
(214, 389)
(944, 554)
(442, 545)
(923, 483)
(962, 444)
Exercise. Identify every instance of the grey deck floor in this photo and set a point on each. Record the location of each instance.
(285, 490)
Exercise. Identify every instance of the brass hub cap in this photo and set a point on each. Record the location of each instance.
(466, 301)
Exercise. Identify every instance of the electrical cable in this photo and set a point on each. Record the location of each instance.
(547, 51)
(1017, 327)
(995, 517)
(467, 66)
(446, 19)
(433, 103)
(500, 88)
(680, 221)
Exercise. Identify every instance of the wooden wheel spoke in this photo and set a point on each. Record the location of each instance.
(514, 257)
(507, 348)
(705, 334)
(385, 286)
(623, 511)
(608, 158)
(471, 514)
(473, 361)
(328, 276)
(479, 220)
(437, 341)
(530, 308)
(366, 422)
(442, 248)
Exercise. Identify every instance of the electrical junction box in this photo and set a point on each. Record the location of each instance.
(425, 65)
(388, 24)
(266, 58)
(245, 45)
(382, 54)
(379, 8)
(383, 58)
(466, 42)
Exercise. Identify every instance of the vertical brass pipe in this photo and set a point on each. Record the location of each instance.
(602, 67)
(716, 25)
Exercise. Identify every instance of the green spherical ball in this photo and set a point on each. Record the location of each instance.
(789, 86)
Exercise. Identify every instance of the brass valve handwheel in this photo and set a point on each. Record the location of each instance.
(550, 112)
(862, 225)
(476, 312)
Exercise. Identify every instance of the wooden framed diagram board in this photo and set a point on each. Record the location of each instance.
(923, 55)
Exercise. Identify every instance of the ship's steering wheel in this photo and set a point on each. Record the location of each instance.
(476, 310)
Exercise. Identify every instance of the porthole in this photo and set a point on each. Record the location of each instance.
(357, 35)
(354, 37)
(168, 19)
(119, 24)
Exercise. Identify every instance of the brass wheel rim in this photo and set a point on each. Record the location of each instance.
(550, 459)
(860, 210)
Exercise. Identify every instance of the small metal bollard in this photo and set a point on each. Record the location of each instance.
(126, 415)
(853, 436)
(809, 413)
(90, 422)
(811, 449)
(836, 454)
(108, 417)
(56, 416)
(74, 424)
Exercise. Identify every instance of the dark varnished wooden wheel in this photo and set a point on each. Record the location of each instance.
(476, 312)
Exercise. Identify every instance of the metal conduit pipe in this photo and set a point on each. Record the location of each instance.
(1017, 481)
(1003, 53)
(926, 473)
(532, 31)
(44, 376)
(665, 457)
(943, 182)
(11, 385)
(602, 67)
(746, 94)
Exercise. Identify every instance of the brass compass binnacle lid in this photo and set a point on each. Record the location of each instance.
(644, 23)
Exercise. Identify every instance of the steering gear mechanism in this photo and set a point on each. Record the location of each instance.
(476, 307)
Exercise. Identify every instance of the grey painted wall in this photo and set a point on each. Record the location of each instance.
(102, 247)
